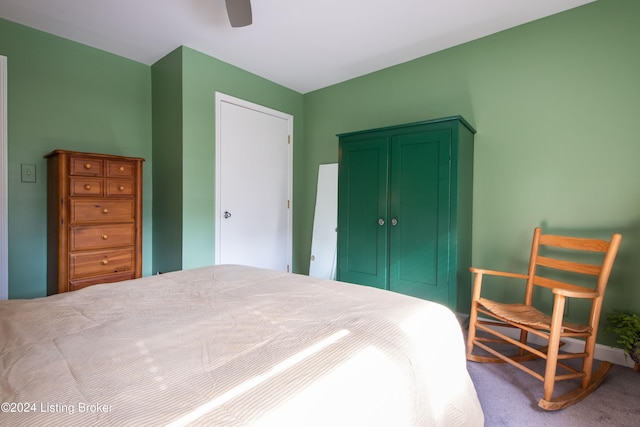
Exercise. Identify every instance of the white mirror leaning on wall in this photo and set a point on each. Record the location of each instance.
(325, 224)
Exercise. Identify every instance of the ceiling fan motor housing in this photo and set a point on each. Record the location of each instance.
(239, 12)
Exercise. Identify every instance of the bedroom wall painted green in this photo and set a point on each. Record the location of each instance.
(555, 103)
(201, 77)
(166, 81)
(65, 95)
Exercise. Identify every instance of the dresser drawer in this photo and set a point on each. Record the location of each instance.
(101, 236)
(119, 168)
(85, 166)
(120, 187)
(74, 285)
(85, 264)
(93, 211)
(85, 186)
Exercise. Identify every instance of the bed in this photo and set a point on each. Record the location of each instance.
(233, 345)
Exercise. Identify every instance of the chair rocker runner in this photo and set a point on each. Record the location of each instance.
(546, 271)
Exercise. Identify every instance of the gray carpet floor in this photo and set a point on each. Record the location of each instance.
(509, 397)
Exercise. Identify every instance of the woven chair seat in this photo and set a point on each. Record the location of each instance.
(528, 315)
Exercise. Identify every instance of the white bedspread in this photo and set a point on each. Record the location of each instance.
(233, 346)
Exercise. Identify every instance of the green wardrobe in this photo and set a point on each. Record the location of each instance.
(404, 209)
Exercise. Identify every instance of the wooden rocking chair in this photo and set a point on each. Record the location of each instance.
(551, 328)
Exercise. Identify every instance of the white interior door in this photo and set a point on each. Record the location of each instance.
(253, 185)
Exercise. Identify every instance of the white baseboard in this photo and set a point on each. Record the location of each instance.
(573, 345)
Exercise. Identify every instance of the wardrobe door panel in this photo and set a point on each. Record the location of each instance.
(362, 196)
(419, 208)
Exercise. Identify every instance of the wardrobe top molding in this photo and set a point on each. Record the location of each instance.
(408, 125)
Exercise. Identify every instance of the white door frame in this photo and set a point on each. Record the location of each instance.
(220, 98)
(4, 199)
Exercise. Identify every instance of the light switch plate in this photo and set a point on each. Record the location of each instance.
(28, 173)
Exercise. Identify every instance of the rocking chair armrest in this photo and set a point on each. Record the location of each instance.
(570, 293)
(498, 273)
(480, 272)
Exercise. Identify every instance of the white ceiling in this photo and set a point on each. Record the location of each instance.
(301, 44)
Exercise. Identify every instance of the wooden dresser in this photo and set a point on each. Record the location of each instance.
(94, 219)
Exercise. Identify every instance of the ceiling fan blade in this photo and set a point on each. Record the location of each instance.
(239, 12)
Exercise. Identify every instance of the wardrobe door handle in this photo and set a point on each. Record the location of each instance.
(394, 222)
(381, 221)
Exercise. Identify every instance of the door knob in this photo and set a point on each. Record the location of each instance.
(226, 214)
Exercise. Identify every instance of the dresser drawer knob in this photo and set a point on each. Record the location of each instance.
(87, 165)
(105, 236)
(121, 188)
(121, 169)
(105, 211)
(87, 187)
(104, 261)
